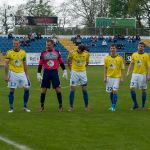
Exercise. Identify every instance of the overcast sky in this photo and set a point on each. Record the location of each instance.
(18, 2)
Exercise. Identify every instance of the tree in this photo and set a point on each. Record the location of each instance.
(42, 8)
(87, 10)
(141, 10)
(118, 8)
(7, 17)
(64, 14)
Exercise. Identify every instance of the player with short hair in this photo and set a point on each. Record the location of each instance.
(16, 73)
(113, 74)
(77, 63)
(50, 60)
(140, 64)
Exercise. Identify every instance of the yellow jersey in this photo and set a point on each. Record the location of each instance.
(141, 62)
(79, 60)
(16, 60)
(114, 66)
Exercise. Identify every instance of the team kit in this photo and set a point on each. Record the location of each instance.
(16, 74)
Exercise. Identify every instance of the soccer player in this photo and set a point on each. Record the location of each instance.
(140, 64)
(77, 63)
(113, 74)
(16, 73)
(50, 60)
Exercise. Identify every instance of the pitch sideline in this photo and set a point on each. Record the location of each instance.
(14, 144)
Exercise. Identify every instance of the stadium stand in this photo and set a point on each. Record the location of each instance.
(64, 45)
(36, 46)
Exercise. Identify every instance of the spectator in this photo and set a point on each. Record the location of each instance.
(25, 41)
(100, 37)
(138, 37)
(129, 39)
(104, 43)
(38, 35)
(33, 36)
(78, 40)
(94, 40)
(10, 36)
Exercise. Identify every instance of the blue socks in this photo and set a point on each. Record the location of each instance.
(114, 100)
(26, 97)
(11, 99)
(71, 97)
(85, 97)
(133, 95)
(42, 99)
(143, 99)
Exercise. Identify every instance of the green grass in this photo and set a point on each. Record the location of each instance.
(98, 129)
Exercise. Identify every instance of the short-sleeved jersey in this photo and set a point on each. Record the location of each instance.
(79, 60)
(16, 60)
(141, 62)
(50, 60)
(114, 66)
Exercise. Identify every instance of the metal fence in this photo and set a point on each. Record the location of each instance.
(48, 30)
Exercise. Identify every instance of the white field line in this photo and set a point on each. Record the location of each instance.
(14, 144)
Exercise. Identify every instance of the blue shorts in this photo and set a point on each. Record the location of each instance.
(50, 76)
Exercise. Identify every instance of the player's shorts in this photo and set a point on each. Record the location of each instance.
(138, 80)
(50, 76)
(18, 80)
(112, 84)
(78, 78)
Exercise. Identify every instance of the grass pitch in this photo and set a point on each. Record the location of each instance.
(98, 129)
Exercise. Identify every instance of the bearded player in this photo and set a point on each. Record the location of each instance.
(77, 63)
(140, 64)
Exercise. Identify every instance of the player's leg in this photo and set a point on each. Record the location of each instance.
(25, 83)
(143, 98)
(12, 84)
(26, 99)
(116, 82)
(71, 97)
(11, 99)
(45, 84)
(111, 97)
(143, 87)
(83, 82)
(73, 83)
(109, 87)
(133, 85)
(85, 96)
(42, 98)
(56, 86)
(59, 98)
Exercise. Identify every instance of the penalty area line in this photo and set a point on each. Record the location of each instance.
(14, 144)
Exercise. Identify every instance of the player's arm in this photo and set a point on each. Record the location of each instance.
(7, 60)
(41, 62)
(69, 61)
(122, 69)
(25, 66)
(105, 73)
(130, 68)
(148, 74)
(62, 65)
(6, 69)
(87, 60)
(105, 70)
